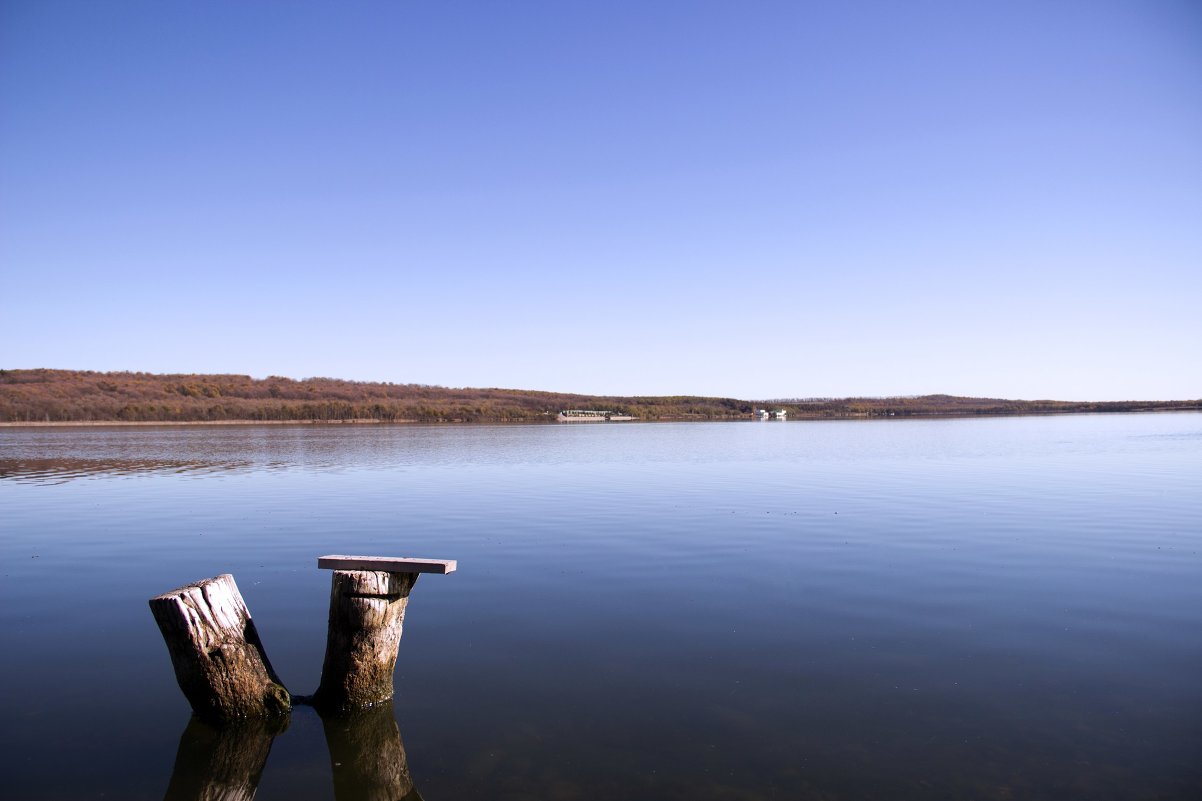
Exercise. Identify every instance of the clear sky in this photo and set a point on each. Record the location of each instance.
(752, 199)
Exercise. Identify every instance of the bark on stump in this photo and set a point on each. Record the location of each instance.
(367, 756)
(367, 611)
(218, 657)
(221, 762)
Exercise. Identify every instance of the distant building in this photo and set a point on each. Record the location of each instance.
(591, 416)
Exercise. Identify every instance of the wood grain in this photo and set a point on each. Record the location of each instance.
(215, 649)
(389, 564)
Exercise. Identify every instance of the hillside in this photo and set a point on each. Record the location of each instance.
(36, 396)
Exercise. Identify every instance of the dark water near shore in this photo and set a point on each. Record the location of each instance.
(989, 609)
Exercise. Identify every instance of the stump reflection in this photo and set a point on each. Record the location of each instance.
(221, 762)
(225, 761)
(368, 757)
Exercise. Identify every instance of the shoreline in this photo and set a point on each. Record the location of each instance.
(376, 421)
(128, 423)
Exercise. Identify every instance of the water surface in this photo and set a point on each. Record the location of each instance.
(997, 608)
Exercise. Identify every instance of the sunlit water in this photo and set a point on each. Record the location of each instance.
(997, 608)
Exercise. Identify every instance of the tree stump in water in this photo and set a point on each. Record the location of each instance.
(368, 596)
(367, 613)
(218, 657)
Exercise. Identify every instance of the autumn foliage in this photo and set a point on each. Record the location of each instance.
(82, 396)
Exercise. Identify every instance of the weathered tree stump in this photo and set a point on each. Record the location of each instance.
(222, 761)
(218, 657)
(368, 596)
(367, 612)
(368, 757)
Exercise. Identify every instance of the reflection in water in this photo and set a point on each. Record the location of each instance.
(225, 762)
(368, 757)
(57, 471)
(221, 761)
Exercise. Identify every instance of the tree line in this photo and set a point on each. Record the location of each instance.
(84, 396)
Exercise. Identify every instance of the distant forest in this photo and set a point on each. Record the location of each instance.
(62, 396)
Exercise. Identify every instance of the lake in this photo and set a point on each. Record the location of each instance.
(929, 609)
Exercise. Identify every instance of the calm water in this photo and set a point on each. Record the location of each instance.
(954, 609)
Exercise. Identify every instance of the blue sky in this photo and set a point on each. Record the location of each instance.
(751, 199)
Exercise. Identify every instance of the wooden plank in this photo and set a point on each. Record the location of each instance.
(390, 564)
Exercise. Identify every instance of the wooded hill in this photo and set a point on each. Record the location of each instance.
(35, 396)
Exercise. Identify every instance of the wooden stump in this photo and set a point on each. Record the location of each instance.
(222, 762)
(367, 756)
(218, 657)
(367, 611)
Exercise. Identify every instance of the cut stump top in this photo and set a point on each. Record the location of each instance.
(390, 564)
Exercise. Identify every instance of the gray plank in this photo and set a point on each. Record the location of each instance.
(391, 564)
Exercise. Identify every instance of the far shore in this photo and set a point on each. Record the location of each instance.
(124, 423)
(375, 421)
(49, 398)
